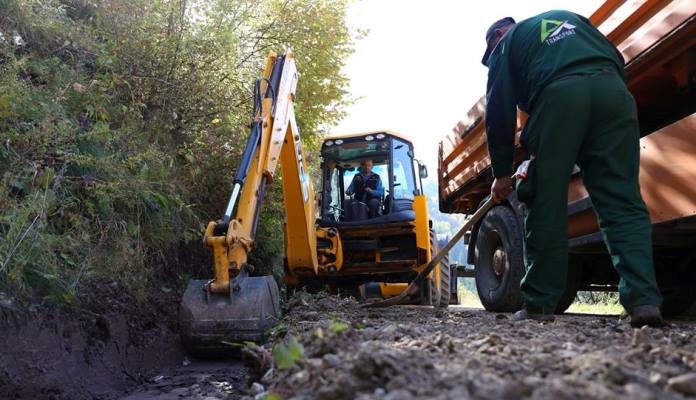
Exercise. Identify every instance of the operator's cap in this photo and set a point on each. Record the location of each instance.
(490, 34)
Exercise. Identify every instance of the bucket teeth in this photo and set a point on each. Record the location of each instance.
(210, 322)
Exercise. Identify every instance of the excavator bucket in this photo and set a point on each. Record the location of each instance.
(210, 322)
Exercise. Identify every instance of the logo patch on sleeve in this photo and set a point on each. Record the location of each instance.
(553, 31)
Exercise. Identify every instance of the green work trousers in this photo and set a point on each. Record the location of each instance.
(589, 120)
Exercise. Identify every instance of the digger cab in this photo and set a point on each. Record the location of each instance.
(393, 167)
(385, 234)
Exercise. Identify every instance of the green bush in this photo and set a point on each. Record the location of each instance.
(122, 122)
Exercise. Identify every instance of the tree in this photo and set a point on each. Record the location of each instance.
(127, 121)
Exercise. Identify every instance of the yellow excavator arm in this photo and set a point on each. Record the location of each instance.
(233, 306)
(274, 137)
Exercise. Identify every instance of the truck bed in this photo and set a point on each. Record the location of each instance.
(658, 42)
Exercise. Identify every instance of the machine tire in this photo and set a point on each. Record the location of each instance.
(573, 283)
(445, 272)
(445, 283)
(499, 240)
(431, 295)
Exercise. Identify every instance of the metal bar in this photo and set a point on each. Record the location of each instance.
(466, 273)
(249, 150)
(276, 75)
(232, 202)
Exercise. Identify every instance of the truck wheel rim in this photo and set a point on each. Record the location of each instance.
(499, 261)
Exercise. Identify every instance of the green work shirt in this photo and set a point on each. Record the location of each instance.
(535, 52)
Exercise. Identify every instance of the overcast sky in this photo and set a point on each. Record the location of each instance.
(419, 69)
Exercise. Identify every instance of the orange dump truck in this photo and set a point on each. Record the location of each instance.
(658, 42)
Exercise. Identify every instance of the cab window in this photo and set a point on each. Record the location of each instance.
(380, 169)
(334, 207)
(404, 182)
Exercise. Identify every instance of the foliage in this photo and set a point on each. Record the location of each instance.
(285, 357)
(338, 327)
(585, 302)
(122, 123)
(596, 303)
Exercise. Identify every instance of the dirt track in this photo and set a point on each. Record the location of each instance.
(353, 352)
(414, 352)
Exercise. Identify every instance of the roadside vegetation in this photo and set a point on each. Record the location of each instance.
(596, 303)
(122, 122)
(585, 302)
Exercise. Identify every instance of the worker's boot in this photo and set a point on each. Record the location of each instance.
(646, 315)
(524, 314)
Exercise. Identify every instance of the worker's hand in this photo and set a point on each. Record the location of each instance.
(348, 192)
(368, 190)
(501, 188)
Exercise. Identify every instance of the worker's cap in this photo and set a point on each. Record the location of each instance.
(490, 35)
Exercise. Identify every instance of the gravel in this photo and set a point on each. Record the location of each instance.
(410, 352)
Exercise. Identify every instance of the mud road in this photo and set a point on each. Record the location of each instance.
(420, 353)
(347, 351)
(415, 352)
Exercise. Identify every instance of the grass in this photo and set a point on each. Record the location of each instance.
(603, 308)
(585, 302)
(468, 298)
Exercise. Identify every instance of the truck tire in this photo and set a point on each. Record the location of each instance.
(573, 283)
(499, 260)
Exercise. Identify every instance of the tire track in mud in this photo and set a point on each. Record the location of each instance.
(195, 379)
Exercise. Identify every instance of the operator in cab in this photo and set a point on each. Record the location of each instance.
(569, 78)
(366, 187)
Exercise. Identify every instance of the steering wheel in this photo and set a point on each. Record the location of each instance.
(337, 210)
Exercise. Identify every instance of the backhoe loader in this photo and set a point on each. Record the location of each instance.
(330, 241)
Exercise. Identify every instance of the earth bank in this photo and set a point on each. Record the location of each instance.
(97, 350)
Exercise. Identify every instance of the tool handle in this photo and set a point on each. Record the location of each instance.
(413, 286)
(457, 236)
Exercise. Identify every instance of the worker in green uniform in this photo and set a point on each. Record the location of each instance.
(569, 79)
